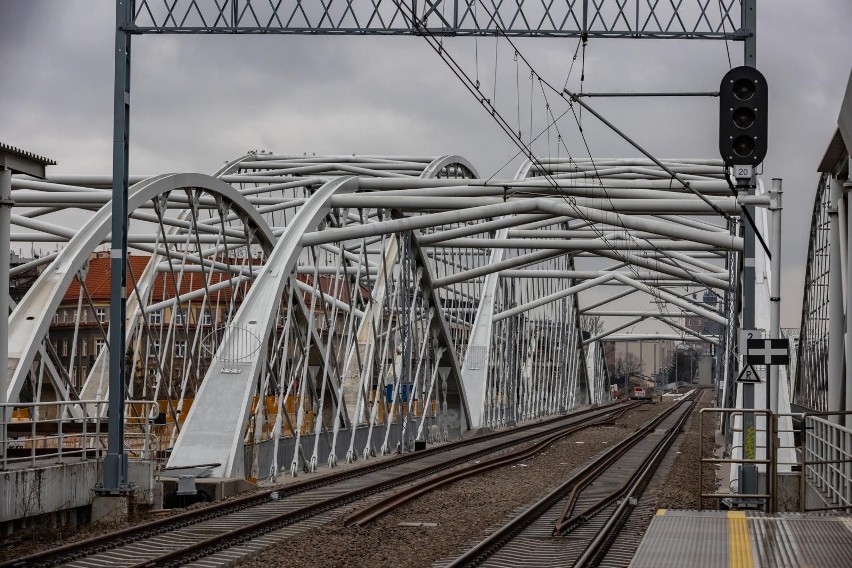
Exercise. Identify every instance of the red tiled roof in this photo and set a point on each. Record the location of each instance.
(98, 277)
(98, 282)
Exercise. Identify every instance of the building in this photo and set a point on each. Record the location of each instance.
(175, 342)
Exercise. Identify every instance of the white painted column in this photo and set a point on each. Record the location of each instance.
(475, 366)
(835, 303)
(847, 187)
(775, 287)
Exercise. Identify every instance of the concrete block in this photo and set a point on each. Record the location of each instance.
(140, 474)
(788, 492)
(215, 488)
(30, 492)
(110, 509)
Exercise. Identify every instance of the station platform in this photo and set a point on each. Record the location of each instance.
(745, 539)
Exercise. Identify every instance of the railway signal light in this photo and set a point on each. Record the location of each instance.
(743, 123)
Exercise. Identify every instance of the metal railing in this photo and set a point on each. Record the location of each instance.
(69, 430)
(826, 460)
(749, 439)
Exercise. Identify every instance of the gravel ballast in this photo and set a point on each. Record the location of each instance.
(440, 523)
(444, 522)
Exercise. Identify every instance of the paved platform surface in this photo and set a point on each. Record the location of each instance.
(739, 539)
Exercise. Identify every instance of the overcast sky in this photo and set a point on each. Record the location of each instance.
(200, 101)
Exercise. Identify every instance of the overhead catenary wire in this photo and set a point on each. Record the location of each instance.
(572, 97)
(496, 115)
(658, 299)
(577, 119)
(455, 67)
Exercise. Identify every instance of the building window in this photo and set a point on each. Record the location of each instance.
(206, 317)
(84, 348)
(178, 316)
(154, 348)
(180, 348)
(99, 344)
(156, 318)
(64, 316)
(100, 313)
(85, 315)
(65, 348)
(56, 346)
(84, 372)
(56, 317)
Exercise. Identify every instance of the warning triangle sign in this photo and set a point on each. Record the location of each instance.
(748, 375)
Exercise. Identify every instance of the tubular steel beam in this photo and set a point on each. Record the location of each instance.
(653, 337)
(671, 298)
(665, 319)
(611, 331)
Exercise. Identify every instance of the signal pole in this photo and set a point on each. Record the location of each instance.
(748, 479)
(115, 464)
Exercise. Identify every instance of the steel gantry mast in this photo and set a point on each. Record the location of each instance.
(692, 19)
(688, 19)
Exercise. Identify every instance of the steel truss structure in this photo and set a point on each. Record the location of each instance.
(288, 312)
(825, 336)
(701, 19)
(811, 385)
(616, 18)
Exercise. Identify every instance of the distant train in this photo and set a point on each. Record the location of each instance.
(639, 393)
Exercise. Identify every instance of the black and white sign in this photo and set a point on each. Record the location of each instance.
(749, 375)
(767, 352)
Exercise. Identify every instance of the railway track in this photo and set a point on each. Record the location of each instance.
(191, 536)
(373, 511)
(573, 525)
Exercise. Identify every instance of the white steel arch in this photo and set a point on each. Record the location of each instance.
(29, 322)
(213, 429)
(406, 298)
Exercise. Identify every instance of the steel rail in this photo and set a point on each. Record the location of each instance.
(569, 520)
(502, 536)
(199, 549)
(373, 511)
(593, 553)
(90, 546)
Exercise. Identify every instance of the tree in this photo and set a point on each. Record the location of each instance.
(593, 325)
(627, 366)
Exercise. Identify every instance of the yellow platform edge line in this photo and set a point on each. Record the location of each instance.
(739, 543)
(661, 512)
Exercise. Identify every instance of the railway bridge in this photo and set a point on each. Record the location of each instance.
(316, 343)
(288, 315)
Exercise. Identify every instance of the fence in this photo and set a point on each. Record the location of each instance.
(827, 460)
(750, 450)
(63, 430)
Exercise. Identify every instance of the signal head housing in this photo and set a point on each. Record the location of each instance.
(743, 124)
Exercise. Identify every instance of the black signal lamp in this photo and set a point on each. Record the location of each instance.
(743, 117)
(743, 125)
(743, 146)
(743, 89)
